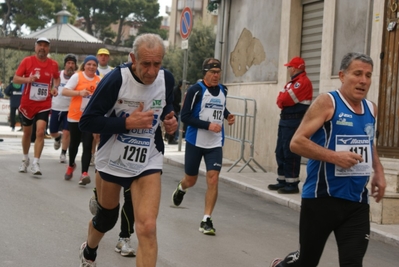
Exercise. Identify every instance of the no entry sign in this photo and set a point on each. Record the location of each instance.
(186, 23)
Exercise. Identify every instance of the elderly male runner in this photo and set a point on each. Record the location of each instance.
(127, 109)
(204, 111)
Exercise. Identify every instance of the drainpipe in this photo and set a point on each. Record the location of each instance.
(221, 36)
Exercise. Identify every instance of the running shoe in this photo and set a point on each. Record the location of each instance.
(83, 261)
(62, 158)
(24, 166)
(124, 248)
(69, 172)
(93, 206)
(57, 143)
(84, 179)
(177, 196)
(35, 169)
(92, 160)
(207, 227)
(291, 258)
(276, 262)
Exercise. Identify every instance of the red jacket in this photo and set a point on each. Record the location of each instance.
(298, 90)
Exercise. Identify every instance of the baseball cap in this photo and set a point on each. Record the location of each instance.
(43, 39)
(296, 62)
(103, 51)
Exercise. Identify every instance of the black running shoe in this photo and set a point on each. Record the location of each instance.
(207, 227)
(177, 196)
(290, 259)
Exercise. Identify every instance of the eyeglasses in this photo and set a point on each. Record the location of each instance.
(213, 72)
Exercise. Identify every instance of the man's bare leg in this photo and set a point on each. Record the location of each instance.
(27, 132)
(39, 141)
(146, 194)
(211, 195)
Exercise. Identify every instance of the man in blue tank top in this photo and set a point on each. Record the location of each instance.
(337, 135)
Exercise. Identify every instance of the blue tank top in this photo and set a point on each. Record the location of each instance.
(345, 131)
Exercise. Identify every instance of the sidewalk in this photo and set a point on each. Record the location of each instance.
(252, 182)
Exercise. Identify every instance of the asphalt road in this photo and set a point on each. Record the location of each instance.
(43, 221)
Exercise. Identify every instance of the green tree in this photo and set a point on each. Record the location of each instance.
(173, 61)
(34, 14)
(100, 14)
(201, 46)
(150, 19)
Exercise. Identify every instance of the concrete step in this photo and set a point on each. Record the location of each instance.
(386, 211)
(391, 169)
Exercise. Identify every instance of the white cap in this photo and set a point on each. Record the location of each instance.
(43, 39)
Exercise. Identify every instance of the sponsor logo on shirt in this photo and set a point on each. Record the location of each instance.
(156, 103)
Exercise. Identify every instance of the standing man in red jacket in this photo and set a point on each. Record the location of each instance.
(293, 101)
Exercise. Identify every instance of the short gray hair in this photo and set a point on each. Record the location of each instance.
(149, 40)
(348, 58)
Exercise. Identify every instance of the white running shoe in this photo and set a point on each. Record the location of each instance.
(62, 158)
(83, 261)
(93, 160)
(24, 166)
(93, 206)
(124, 248)
(57, 144)
(35, 169)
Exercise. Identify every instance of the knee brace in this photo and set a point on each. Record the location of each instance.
(105, 219)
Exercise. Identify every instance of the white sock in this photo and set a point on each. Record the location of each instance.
(206, 217)
(181, 188)
(26, 156)
(35, 160)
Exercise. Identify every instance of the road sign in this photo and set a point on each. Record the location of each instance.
(186, 23)
(184, 45)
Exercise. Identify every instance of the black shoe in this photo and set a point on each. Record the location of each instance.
(173, 142)
(287, 261)
(276, 187)
(276, 262)
(207, 227)
(177, 196)
(289, 189)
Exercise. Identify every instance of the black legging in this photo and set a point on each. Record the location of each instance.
(348, 220)
(76, 136)
(13, 112)
(127, 215)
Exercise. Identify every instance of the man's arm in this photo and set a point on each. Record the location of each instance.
(378, 182)
(319, 112)
(103, 100)
(20, 77)
(300, 91)
(187, 115)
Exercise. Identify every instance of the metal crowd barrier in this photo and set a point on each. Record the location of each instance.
(243, 130)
